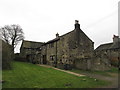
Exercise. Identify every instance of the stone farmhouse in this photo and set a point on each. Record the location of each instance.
(109, 52)
(71, 50)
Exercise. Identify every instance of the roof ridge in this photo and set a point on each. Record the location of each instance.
(33, 41)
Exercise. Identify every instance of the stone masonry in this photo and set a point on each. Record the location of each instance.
(71, 50)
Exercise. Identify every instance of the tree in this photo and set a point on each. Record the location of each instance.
(12, 34)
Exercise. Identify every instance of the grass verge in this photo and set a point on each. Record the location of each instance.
(103, 73)
(26, 75)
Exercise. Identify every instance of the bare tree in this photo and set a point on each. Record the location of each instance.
(12, 34)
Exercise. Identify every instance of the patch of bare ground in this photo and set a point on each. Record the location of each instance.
(113, 79)
(62, 70)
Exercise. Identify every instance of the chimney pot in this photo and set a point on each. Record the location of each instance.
(115, 39)
(57, 35)
(77, 25)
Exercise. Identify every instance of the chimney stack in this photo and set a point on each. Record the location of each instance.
(57, 35)
(115, 39)
(77, 25)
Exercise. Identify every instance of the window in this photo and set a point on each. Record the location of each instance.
(52, 57)
(51, 45)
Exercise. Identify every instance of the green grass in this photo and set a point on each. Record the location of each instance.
(91, 72)
(104, 73)
(0, 78)
(26, 75)
(113, 70)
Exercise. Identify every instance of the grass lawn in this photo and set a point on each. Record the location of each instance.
(26, 75)
(104, 73)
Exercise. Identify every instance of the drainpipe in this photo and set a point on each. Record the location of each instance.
(56, 55)
(46, 54)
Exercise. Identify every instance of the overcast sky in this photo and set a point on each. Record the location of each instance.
(42, 19)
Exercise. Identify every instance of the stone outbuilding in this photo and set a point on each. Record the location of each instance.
(30, 51)
(109, 52)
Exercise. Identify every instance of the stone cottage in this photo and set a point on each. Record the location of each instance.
(30, 51)
(71, 50)
(109, 52)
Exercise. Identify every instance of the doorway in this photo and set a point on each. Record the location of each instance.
(27, 58)
(44, 59)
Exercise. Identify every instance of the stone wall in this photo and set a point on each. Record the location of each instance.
(51, 53)
(100, 64)
(43, 54)
(110, 56)
(7, 55)
(63, 50)
(102, 60)
(73, 47)
(68, 48)
(83, 63)
(114, 56)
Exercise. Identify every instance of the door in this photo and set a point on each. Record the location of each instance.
(27, 58)
(44, 59)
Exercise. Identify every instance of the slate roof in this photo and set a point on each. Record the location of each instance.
(31, 41)
(56, 39)
(108, 46)
(31, 44)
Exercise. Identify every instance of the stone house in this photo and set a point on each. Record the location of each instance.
(71, 50)
(109, 52)
(30, 51)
